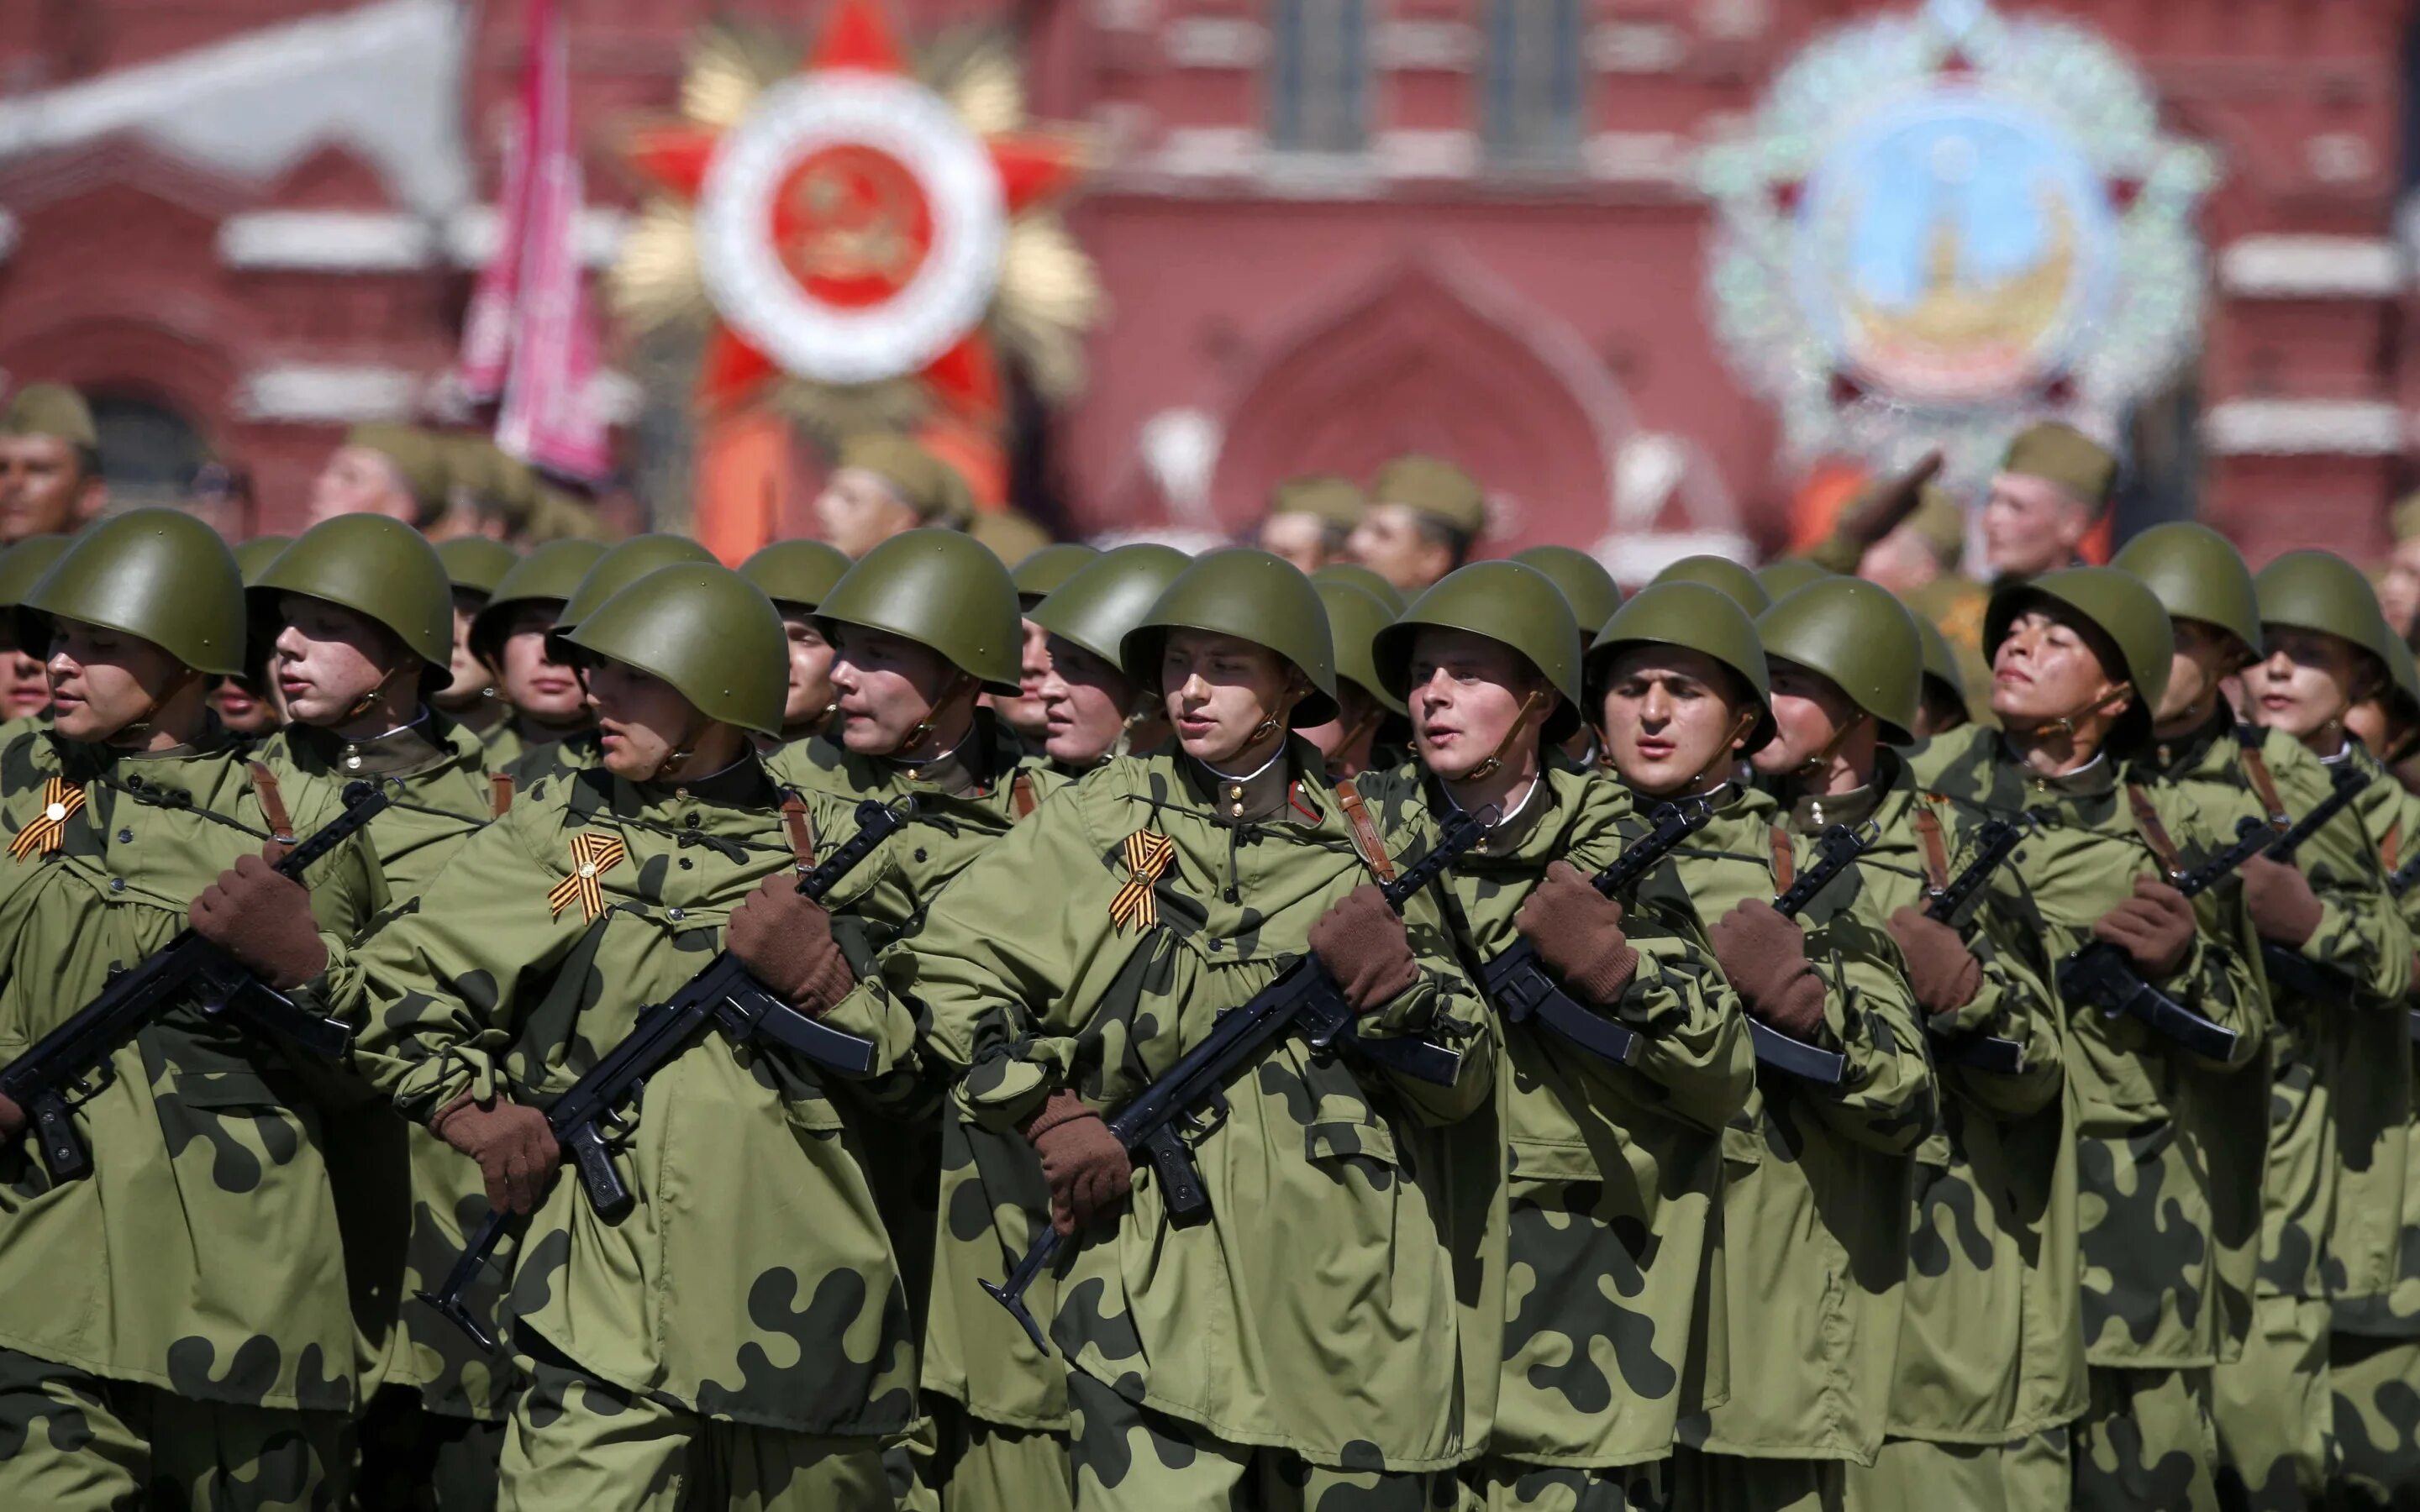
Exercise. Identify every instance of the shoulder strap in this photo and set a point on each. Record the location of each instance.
(1936, 853)
(800, 830)
(2391, 845)
(2154, 833)
(1785, 859)
(2256, 771)
(500, 794)
(273, 804)
(1021, 794)
(1365, 833)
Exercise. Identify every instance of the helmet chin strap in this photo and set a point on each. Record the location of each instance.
(1727, 753)
(139, 729)
(921, 730)
(683, 749)
(368, 700)
(2065, 724)
(1821, 761)
(1494, 760)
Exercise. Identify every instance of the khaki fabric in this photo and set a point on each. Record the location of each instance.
(2147, 1440)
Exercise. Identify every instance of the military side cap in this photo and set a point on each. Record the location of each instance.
(2063, 454)
(474, 563)
(1042, 571)
(1700, 617)
(1355, 618)
(21, 563)
(504, 481)
(1434, 488)
(2196, 574)
(2405, 521)
(1005, 533)
(253, 557)
(934, 489)
(1722, 575)
(423, 461)
(1585, 585)
(795, 572)
(1365, 578)
(1337, 502)
(51, 410)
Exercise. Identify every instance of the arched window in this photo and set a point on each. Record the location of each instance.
(1535, 61)
(148, 452)
(1319, 76)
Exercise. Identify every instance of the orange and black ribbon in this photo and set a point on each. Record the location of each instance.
(1148, 855)
(592, 856)
(61, 800)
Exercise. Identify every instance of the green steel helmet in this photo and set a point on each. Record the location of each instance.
(253, 557)
(1862, 637)
(22, 563)
(476, 564)
(1109, 595)
(1725, 574)
(1354, 617)
(2121, 609)
(1042, 571)
(1586, 586)
(1784, 576)
(1940, 664)
(159, 574)
(2320, 590)
(376, 566)
(2196, 574)
(1365, 578)
(1507, 602)
(795, 573)
(1253, 597)
(623, 564)
(705, 630)
(1698, 617)
(946, 592)
(546, 575)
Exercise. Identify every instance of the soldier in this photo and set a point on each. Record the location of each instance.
(175, 1325)
(1990, 1358)
(1424, 515)
(2168, 1164)
(474, 566)
(1684, 688)
(1784, 576)
(50, 482)
(2398, 580)
(1309, 519)
(884, 483)
(1612, 1170)
(1355, 741)
(24, 685)
(510, 638)
(250, 705)
(1091, 711)
(400, 472)
(796, 576)
(1944, 707)
(1736, 582)
(1909, 535)
(1594, 597)
(1036, 576)
(1207, 1357)
(2051, 488)
(1363, 578)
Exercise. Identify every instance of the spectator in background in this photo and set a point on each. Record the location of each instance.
(2050, 492)
(1309, 519)
(220, 497)
(50, 464)
(1424, 516)
(2398, 587)
(885, 484)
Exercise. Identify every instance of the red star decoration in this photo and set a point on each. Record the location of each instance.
(857, 35)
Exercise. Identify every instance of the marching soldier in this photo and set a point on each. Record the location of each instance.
(1736, 582)
(1092, 712)
(2054, 484)
(510, 637)
(400, 472)
(796, 576)
(1309, 519)
(474, 566)
(24, 685)
(1352, 742)
(1612, 1170)
(250, 705)
(884, 484)
(50, 482)
(1037, 575)
(1424, 515)
(173, 1326)
(1593, 595)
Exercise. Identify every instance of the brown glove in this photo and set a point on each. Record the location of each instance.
(786, 941)
(1943, 972)
(1763, 953)
(12, 1117)
(2155, 927)
(1577, 933)
(1088, 1169)
(515, 1149)
(2284, 907)
(263, 920)
(1362, 944)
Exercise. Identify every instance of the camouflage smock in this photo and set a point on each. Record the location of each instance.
(1613, 1172)
(753, 1281)
(1338, 1300)
(2392, 1186)
(1814, 1211)
(203, 1254)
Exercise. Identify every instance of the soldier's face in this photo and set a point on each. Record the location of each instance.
(2206, 656)
(858, 511)
(241, 710)
(1391, 542)
(43, 488)
(1084, 704)
(1673, 719)
(1471, 699)
(531, 679)
(25, 687)
(810, 658)
(330, 660)
(359, 480)
(2398, 591)
(103, 680)
(1300, 539)
(1024, 713)
(1227, 698)
(2046, 670)
(469, 676)
(644, 723)
(2031, 525)
(888, 686)
(2308, 681)
(1811, 720)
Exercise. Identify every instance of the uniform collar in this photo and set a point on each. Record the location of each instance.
(953, 772)
(2097, 778)
(1811, 814)
(2185, 753)
(400, 751)
(484, 715)
(1245, 798)
(743, 784)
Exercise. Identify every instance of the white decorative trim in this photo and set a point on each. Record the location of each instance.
(1427, 46)
(1215, 42)
(1125, 15)
(328, 394)
(1636, 47)
(1661, 158)
(1404, 153)
(327, 242)
(2328, 268)
(1635, 560)
(9, 231)
(471, 235)
(2305, 428)
(1210, 152)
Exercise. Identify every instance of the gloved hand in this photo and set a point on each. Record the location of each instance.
(12, 1117)
(786, 941)
(1362, 944)
(263, 920)
(1088, 1169)
(2284, 907)
(1577, 933)
(2155, 927)
(515, 1149)
(1942, 972)
(1763, 953)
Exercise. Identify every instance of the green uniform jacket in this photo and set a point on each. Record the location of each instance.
(1612, 1172)
(1814, 1215)
(560, 757)
(1343, 1299)
(1991, 1345)
(753, 1281)
(2168, 1149)
(2389, 1189)
(203, 1254)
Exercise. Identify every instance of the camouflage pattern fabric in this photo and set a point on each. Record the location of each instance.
(1500, 1485)
(2028, 1475)
(2145, 1440)
(2273, 1411)
(982, 1466)
(2374, 1386)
